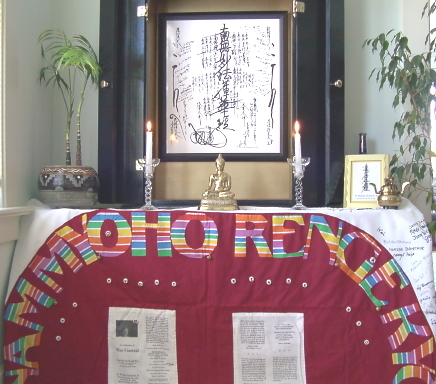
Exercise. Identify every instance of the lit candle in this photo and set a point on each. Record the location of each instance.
(149, 149)
(297, 143)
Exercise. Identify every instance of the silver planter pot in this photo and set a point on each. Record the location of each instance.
(68, 186)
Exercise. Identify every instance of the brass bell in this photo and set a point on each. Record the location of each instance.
(389, 196)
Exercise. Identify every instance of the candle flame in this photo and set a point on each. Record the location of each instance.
(148, 126)
(297, 127)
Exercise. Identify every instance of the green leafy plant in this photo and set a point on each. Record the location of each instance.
(69, 61)
(413, 79)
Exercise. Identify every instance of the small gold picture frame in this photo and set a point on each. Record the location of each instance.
(360, 171)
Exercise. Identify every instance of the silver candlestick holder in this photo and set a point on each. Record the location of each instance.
(299, 174)
(148, 186)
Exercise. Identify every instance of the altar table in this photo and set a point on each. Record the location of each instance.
(259, 295)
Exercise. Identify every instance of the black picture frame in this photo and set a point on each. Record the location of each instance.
(210, 100)
(128, 57)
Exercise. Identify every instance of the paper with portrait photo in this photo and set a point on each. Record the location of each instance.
(142, 346)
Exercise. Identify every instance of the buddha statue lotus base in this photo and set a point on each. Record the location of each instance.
(218, 204)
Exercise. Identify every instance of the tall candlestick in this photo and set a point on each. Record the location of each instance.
(297, 143)
(149, 149)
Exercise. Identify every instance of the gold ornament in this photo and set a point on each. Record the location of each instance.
(218, 196)
(389, 196)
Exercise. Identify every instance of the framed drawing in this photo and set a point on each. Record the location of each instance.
(222, 86)
(360, 171)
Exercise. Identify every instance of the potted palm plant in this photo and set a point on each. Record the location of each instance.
(69, 63)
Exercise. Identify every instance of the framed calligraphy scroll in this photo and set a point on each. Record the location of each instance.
(222, 84)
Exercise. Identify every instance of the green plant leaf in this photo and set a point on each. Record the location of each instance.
(412, 78)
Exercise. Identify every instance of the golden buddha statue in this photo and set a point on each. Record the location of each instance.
(218, 195)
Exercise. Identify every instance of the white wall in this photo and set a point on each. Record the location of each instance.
(27, 124)
(366, 108)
